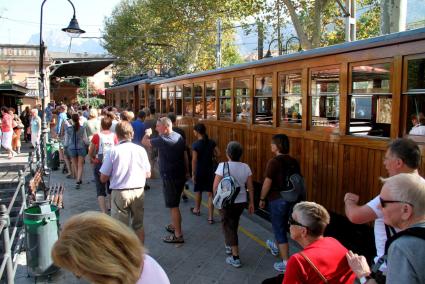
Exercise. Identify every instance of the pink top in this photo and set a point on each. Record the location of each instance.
(6, 122)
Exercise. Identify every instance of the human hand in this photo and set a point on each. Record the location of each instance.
(262, 204)
(148, 131)
(358, 264)
(251, 207)
(351, 197)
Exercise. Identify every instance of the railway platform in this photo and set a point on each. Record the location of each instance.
(201, 259)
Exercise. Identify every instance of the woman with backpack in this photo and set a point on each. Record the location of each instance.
(77, 142)
(277, 170)
(204, 150)
(230, 214)
(100, 145)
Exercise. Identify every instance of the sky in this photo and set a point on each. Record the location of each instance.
(20, 19)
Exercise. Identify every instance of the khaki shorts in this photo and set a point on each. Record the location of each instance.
(128, 207)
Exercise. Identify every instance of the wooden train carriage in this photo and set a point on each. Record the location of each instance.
(339, 105)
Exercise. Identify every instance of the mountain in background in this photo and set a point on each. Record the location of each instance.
(59, 41)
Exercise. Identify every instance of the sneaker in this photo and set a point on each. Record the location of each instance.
(280, 266)
(233, 262)
(228, 249)
(271, 245)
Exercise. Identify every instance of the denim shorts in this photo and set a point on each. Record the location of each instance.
(279, 214)
(77, 152)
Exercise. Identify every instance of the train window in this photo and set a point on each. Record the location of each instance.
(198, 99)
(225, 99)
(163, 100)
(415, 99)
(187, 97)
(210, 89)
(370, 100)
(290, 99)
(179, 101)
(242, 99)
(157, 100)
(142, 96)
(152, 98)
(325, 98)
(263, 100)
(171, 96)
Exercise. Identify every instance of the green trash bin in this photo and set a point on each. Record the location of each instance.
(41, 232)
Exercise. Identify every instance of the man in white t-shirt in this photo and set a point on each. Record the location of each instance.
(402, 156)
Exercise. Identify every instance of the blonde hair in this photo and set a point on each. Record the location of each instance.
(124, 130)
(409, 188)
(99, 248)
(93, 113)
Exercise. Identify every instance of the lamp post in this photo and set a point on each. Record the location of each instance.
(269, 53)
(73, 28)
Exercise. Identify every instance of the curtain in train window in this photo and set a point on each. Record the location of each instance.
(152, 101)
(198, 99)
(290, 99)
(142, 97)
(164, 96)
(325, 98)
(130, 104)
(210, 89)
(179, 101)
(171, 95)
(225, 99)
(158, 100)
(370, 100)
(415, 98)
(187, 97)
(263, 101)
(242, 99)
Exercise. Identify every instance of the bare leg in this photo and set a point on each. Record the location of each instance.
(235, 250)
(69, 166)
(176, 220)
(80, 168)
(198, 200)
(74, 162)
(210, 206)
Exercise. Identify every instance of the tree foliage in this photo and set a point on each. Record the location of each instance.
(179, 34)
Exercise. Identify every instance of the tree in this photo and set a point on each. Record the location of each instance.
(179, 34)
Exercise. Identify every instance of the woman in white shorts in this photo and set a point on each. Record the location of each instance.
(7, 132)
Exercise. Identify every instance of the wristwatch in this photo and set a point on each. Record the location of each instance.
(364, 279)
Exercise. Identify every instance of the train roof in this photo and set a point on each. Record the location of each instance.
(380, 41)
(135, 80)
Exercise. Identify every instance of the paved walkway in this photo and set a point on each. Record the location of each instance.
(201, 259)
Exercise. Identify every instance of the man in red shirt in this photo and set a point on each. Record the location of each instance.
(322, 258)
(7, 132)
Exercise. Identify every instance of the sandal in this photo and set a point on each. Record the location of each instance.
(172, 239)
(211, 221)
(195, 213)
(170, 228)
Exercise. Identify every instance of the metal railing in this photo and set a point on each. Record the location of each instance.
(9, 259)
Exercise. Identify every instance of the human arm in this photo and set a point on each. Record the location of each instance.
(194, 162)
(250, 189)
(267, 184)
(216, 152)
(106, 169)
(92, 152)
(145, 140)
(104, 178)
(355, 213)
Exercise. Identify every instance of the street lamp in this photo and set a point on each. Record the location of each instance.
(269, 53)
(73, 28)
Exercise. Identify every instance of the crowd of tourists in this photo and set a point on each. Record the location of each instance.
(123, 149)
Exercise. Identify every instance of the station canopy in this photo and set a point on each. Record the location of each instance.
(84, 68)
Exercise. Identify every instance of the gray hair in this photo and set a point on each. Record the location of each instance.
(409, 188)
(314, 216)
(165, 121)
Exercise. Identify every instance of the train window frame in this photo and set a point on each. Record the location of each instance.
(378, 125)
(406, 96)
(171, 102)
(163, 100)
(270, 97)
(186, 111)
(179, 100)
(240, 116)
(196, 97)
(335, 126)
(212, 97)
(225, 116)
(287, 123)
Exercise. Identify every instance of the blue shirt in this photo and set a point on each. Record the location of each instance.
(139, 131)
(61, 118)
(171, 155)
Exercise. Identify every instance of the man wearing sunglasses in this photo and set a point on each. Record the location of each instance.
(402, 201)
(402, 156)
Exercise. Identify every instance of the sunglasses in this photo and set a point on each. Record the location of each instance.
(385, 202)
(291, 222)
